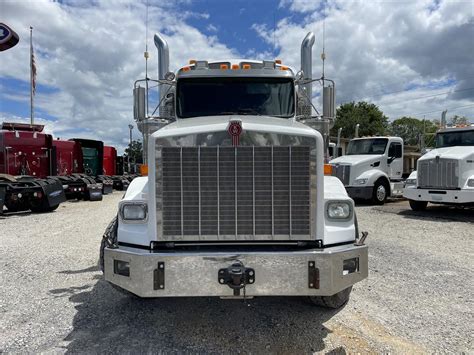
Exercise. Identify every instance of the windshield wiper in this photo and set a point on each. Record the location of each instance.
(247, 111)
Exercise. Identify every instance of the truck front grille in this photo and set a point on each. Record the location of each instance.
(240, 192)
(342, 172)
(438, 173)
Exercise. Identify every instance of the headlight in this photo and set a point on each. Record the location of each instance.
(134, 211)
(361, 181)
(339, 210)
(470, 182)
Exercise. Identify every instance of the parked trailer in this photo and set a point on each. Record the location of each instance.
(93, 162)
(25, 163)
(69, 170)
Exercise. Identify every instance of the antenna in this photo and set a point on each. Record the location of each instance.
(323, 54)
(146, 55)
(274, 42)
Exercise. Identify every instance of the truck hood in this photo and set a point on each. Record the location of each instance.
(457, 153)
(357, 159)
(196, 125)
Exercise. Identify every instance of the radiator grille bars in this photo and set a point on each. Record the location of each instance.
(229, 192)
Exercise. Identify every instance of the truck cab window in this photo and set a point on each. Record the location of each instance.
(235, 96)
(367, 146)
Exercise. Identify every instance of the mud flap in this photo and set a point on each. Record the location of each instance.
(95, 195)
(54, 193)
(3, 192)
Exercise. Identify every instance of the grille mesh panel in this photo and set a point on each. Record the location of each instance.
(438, 173)
(342, 172)
(236, 191)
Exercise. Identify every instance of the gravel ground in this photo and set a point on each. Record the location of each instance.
(418, 297)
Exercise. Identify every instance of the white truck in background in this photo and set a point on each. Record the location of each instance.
(444, 175)
(372, 168)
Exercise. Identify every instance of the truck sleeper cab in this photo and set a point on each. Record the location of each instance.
(236, 203)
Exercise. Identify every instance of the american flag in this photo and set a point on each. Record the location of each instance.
(33, 70)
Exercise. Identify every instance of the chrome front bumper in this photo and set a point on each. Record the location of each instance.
(282, 273)
(439, 196)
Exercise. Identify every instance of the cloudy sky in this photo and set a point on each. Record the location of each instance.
(413, 58)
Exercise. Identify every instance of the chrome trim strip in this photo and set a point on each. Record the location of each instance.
(290, 202)
(273, 207)
(253, 187)
(182, 198)
(199, 188)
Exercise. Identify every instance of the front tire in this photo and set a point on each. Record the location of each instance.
(418, 205)
(380, 192)
(335, 301)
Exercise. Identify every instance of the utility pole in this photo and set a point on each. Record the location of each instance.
(130, 127)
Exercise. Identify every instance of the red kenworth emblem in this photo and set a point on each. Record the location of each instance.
(235, 130)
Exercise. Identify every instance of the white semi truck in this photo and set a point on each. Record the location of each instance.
(372, 168)
(236, 203)
(444, 175)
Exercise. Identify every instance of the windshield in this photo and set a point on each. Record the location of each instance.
(451, 139)
(235, 96)
(367, 146)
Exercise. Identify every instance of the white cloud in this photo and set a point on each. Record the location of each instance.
(92, 55)
(375, 48)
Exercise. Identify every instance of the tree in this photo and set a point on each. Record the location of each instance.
(459, 120)
(410, 129)
(372, 121)
(135, 151)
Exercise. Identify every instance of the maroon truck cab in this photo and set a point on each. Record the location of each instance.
(110, 160)
(25, 152)
(68, 158)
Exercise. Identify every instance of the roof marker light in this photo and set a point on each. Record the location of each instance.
(186, 69)
(192, 61)
(278, 61)
(235, 66)
(224, 66)
(246, 66)
(284, 67)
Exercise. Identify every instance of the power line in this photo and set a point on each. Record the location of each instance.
(428, 96)
(449, 109)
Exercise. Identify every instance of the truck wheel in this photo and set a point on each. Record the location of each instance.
(108, 239)
(335, 301)
(418, 205)
(43, 207)
(380, 192)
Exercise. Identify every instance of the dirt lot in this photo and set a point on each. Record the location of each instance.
(418, 297)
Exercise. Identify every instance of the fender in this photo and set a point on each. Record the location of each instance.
(373, 175)
(137, 190)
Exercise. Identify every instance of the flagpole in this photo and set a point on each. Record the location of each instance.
(31, 75)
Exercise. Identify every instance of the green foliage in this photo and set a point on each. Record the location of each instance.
(135, 150)
(459, 120)
(372, 121)
(411, 129)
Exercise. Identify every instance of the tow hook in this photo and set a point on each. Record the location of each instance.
(360, 241)
(236, 276)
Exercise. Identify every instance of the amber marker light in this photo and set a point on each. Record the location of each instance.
(192, 61)
(284, 68)
(327, 169)
(246, 66)
(235, 66)
(186, 69)
(144, 170)
(224, 66)
(278, 61)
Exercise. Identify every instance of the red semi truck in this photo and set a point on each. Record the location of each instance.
(110, 164)
(25, 164)
(69, 170)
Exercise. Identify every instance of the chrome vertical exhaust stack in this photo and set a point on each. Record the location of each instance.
(307, 68)
(163, 62)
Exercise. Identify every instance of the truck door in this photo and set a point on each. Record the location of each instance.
(395, 160)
